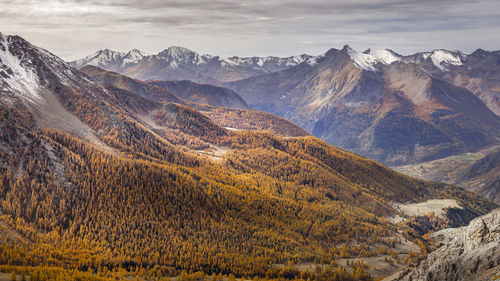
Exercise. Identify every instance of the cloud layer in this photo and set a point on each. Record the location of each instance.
(75, 28)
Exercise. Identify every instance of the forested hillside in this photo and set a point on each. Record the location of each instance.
(99, 182)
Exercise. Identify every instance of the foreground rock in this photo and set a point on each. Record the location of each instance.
(467, 253)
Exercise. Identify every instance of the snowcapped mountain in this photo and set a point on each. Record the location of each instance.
(478, 72)
(179, 63)
(179, 55)
(27, 71)
(14, 75)
(104, 57)
(269, 64)
(425, 105)
(45, 90)
(372, 59)
(440, 58)
(190, 65)
(369, 60)
(378, 103)
(133, 56)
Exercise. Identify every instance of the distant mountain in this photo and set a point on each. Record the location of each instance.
(478, 171)
(223, 106)
(377, 103)
(483, 177)
(125, 178)
(395, 109)
(478, 72)
(203, 93)
(173, 91)
(178, 63)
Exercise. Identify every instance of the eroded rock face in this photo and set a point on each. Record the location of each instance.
(467, 253)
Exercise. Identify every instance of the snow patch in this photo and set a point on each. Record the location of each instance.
(369, 61)
(312, 61)
(17, 77)
(260, 62)
(363, 61)
(227, 61)
(133, 56)
(442, 58)
(101, 58)
(177, 55)
(385, 56)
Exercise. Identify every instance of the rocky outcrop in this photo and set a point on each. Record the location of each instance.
(467, 253)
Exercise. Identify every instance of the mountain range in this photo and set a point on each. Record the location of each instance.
(389, 110)
(178, 63)
(392, 108)
(106, 177)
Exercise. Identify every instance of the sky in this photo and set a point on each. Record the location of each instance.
(76, 28)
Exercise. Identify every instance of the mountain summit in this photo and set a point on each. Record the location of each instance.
(179, 63)
(380, 104)
(103, 173)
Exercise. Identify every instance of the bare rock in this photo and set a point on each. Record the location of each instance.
(467, 253)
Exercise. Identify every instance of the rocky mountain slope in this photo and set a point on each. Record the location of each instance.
(478, 171)
(94, 177)
(378, 104)
(483, 177)
(467, 253)
(173, 91)
(222, 106)
(439, 103)
(478, 72)
(178, 63)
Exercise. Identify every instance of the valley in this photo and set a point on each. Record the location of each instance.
(105, 176)
(454, 170)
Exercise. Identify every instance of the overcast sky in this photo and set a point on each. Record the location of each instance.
(76, 28)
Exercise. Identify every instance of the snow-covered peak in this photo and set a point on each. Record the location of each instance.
(101, 58)
(385, 56)
(133, 56)
(136, 53)
(177, 52)
(312, 61)
(442, 58)
(28, 71)
(262, 62)
(362, 60)
(296, 60)
(369, 59)
(15, 74)
(176, 55)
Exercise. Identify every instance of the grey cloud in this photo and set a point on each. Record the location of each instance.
(277, 27)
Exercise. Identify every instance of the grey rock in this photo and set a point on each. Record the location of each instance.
(467, 253)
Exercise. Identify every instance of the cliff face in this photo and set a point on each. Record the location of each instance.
(467, 253)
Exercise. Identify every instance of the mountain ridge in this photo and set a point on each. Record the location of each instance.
(344, 104)
(98, 178)
(169, 62)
